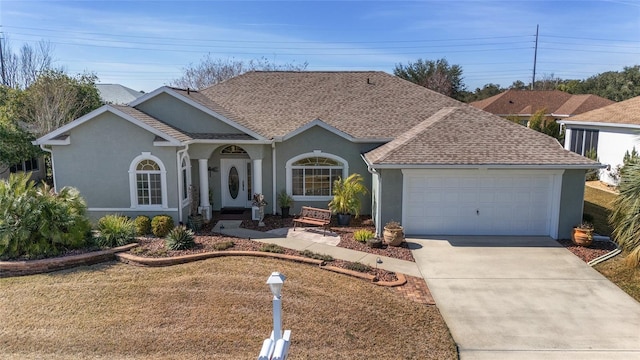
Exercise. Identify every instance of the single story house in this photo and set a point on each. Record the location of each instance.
(611, 131)
(435, 164)
(522, 104)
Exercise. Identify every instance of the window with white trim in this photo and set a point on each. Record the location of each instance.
(148, 182)
(311, 176)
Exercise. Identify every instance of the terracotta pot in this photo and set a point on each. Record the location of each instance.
(582, 237)
(394, 236)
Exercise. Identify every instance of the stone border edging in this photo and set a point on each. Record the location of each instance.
(32, 267)
(156, 262)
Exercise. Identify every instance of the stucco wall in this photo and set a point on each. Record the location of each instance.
(317, 138)
(97, 161)
(571, 202)
(184, 116)
(391, 199)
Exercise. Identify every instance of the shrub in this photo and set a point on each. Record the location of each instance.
(223, 245)
(314, 255)
(116, 230)
(179, 238)
(161, 225)
(357, 266)
(143, 225)
(363, 235)
(272, 248)
(38, 222)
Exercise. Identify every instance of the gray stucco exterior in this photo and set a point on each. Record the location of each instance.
(96, 153)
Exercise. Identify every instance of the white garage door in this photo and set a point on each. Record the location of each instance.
(476, 202)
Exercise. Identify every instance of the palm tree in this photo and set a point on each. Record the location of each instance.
(625, 217)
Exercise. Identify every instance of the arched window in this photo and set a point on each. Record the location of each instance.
(310, 176)
(148, 182)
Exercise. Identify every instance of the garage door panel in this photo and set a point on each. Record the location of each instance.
(488, 203)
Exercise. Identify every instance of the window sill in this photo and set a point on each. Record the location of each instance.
(312, 198)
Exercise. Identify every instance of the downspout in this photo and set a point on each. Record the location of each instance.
(179, 154)
(373, 172)
(53, 168)
(273, 180)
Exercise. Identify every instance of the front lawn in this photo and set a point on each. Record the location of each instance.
(598, 203)
(217, 308)
(628, 279)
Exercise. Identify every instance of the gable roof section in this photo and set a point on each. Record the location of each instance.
(368, 105)
(625, 112)
(168, 133)
(479, 139)
(527, 102)
(202, 103)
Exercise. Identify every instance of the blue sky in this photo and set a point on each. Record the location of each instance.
(146, 44)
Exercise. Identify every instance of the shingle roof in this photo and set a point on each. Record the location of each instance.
(466, 136)
(117, 94)
(624, 112)
(153, 122)
(365, 105)
(527, 102)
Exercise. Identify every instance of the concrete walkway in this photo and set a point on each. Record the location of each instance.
(312, 239)
(526, 298)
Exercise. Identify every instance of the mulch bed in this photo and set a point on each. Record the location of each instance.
(594, 251)
(346, 235)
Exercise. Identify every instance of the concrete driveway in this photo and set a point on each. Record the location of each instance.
(526, 298)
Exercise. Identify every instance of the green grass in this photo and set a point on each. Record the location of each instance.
(212, 309)
(597, 203)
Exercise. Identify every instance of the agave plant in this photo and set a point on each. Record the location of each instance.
(625, 217)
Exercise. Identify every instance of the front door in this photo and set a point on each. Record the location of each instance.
(235, 183)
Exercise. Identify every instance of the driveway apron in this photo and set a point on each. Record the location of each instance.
(526, 298)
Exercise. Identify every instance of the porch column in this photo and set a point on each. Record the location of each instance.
(205, 207)
(257, 176)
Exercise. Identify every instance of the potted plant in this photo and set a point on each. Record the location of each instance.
(393, 233)
(195, 219)
(583, 234)
(346, 198)
(285, 203)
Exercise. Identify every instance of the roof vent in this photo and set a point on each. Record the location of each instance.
(370, 82)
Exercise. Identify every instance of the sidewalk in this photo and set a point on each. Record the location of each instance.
(312, 239)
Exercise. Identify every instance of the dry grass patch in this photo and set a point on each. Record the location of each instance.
(628, 279)
(218, 308)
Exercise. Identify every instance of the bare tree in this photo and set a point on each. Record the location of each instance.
(211, 71)
(22, 69)
(55, 99)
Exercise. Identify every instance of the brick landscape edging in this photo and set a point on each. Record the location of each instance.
(153, 262)
(31, 267)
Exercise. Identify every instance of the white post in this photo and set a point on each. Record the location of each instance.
(205, 207)
(277, 318)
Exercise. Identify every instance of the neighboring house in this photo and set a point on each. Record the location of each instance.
(35, 165)
(522, 104)
(117, 94)
(611, 131)
(437, 165)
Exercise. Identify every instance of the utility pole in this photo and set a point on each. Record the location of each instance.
(535, 59)
(2, 69)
